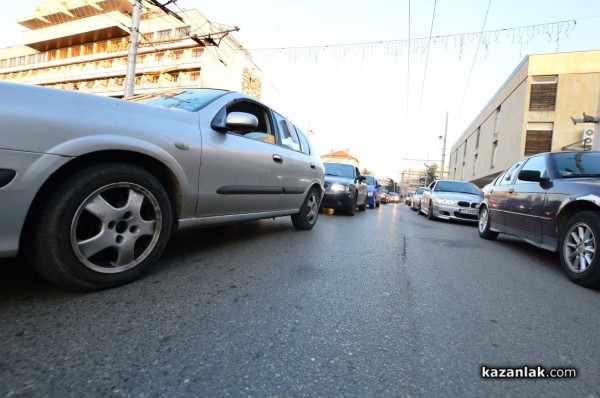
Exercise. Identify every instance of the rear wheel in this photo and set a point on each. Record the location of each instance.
(484, 224)
(102, 227)
(577, 248)
(309, 212)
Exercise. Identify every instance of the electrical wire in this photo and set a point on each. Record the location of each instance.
(426, 60)
(474, 59)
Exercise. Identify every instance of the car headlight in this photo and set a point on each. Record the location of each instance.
(339, 188)
(446, 202)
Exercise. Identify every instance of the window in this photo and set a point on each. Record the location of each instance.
(465, 149)
(304, 145)
(31, 59)
(21, 61)
(543, 93)
(497, 122)
(475, 164)
(63, 53)
(88, 49)
(535, 163)
(494, 153)
(539, 138)
(462, 172)
(177, 54)
(183, 32)
(41, 57)
(507, 177)
(3, 63)
(158, 57)
(477, 139)
(164, 35)
(289, 139)
(194, 76)
(101, 47)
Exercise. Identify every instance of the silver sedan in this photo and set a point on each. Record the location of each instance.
(91, 188)
(451, 200)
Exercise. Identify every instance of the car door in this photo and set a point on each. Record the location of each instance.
(299, 168)
(240, 172)
(525, 202)
(361, 185)
(497, 195)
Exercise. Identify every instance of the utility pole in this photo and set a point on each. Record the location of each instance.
(444, 148)
(133, 47)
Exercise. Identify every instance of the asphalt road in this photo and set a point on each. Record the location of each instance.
(382, 304)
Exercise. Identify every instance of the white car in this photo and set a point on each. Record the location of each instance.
(451, 200)
(91, 188)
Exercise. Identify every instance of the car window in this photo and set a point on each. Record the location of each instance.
(289, 138)
(304, 145)
(580, 164)
(263, 131)
(456, 186)
(534, 163)
(371, 180)
(339, 170)
(187, 100)
(508, 176)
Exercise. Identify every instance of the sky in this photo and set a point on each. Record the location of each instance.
(381, 77)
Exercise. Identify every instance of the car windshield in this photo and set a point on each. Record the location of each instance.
(187, 100)
(339, 170)
(579, 164)
(370, 180)
(457, 186)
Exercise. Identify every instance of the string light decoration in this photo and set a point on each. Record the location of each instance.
(520, 36)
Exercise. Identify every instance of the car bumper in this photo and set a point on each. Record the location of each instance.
(23, 175)
(455, 213)
(337, 200)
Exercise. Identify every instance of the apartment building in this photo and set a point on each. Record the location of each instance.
(530, 113)
(83, 45)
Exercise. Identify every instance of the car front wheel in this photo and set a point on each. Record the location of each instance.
(430, 215)
(102, 227)
(309, 212)
(578, 240)
(484, 224)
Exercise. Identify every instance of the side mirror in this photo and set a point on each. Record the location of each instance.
(235, 121)
(530, 175)
(378, 186)
(361, 178)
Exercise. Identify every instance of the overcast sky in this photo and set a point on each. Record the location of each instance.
(364, 76)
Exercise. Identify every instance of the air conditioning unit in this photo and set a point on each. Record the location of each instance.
(587, 137)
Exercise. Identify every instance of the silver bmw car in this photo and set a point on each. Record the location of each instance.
(91, 188)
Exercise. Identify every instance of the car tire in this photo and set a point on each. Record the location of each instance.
(351, 210)
(430, 215)
(483, 225)
(102, 227)
(309, 212)
(579, 239)
(363, 207)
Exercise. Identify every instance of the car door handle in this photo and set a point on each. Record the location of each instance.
(277, 158)
(511, 190)
(312, 165)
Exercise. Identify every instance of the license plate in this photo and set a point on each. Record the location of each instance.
(471, 212)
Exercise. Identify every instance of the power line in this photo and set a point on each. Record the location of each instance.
(474, 59)
(426, 60)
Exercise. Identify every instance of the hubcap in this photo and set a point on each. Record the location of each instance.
(483, 220)
(579, 248)
(116, 228)
(313, 208)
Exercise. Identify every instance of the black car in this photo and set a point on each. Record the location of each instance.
(551, 200)
(345, 188)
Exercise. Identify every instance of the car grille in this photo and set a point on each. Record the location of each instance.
(464, 203)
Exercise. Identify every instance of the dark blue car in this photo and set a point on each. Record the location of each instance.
(374, 187)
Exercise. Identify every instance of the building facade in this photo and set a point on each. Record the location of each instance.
(83, 45)
(530, 113)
